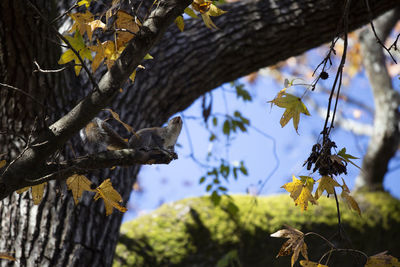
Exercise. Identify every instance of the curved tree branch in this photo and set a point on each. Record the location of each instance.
(63, 129)
(385, 138)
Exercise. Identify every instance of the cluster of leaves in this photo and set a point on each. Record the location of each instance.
(224, 170)
(205, 8)
(301, 191)
(78, 184)
(120, 23)
(296, 245)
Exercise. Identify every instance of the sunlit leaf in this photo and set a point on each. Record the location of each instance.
(180, 23)
(327, 184)
(117, 118)
(78, 184)
(3, 163)
(84, 2)
(37, 192)
(293, 107)
(347, 157)
(110, 196)
(300, 191)
(350, 202)
(190, 12)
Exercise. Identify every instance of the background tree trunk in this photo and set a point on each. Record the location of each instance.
(253, 34)
(385, 138)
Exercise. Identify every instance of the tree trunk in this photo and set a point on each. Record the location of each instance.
(253, 34)
(385, 138)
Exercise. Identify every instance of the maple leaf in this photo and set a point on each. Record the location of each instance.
(37, 193)
(104, 51)
(294, 245)
(382, 260)
(346, 157)
(110, 196)
(3, 163)
(327, 184)
(351, 203)
(81, 23)
(300, 191)
(306, 263)
(293, 105)
(79, 45)
(77, 184)
(127, 26)
(117, 118)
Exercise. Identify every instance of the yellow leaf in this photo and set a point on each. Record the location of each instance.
(304, 197)
(351, 202)
(132, 76)
(79, 45)
(201, 6)
(293, 107)
(37, 193)
(207, 21)
(294, 187)
(96, 24)
(148, 56)
(215, 11)
(116, 117)
(300, 191)
(125, 22)
(84, 2)
(382, 260)
(7, 256)
(3, 163)
(294, 245)
(77, 184)
(110, 196)
(179, 22)
(24, 189)
(81, 23)
(344, 187)
(306, 263)
(327, 184)
(190, 12)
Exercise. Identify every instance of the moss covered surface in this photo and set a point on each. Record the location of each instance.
(193, 232)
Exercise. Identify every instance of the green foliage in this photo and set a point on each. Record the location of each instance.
(195, 232)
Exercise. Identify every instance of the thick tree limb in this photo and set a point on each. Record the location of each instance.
(103, 160)
(62, 130)
(385, 138)
(253, 34)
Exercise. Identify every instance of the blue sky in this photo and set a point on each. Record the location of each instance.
(180, 179)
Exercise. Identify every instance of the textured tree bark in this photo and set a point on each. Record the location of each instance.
(385, 138)
(253, 34)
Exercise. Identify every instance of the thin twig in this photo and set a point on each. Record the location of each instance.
(47, 71)
(22, 92)
(371, 22)
(322, 237)
(342, 249)
(65, 13)
(25, 148)
(96, 87)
